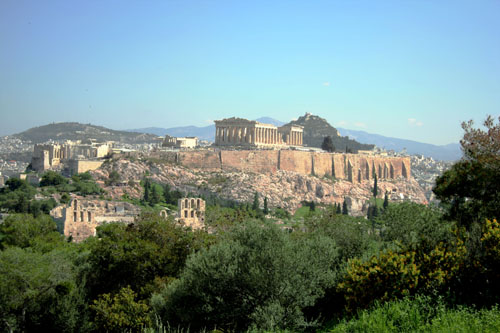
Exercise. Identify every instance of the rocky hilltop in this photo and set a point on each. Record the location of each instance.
(317, 128)
(77, 131)
(282, 188)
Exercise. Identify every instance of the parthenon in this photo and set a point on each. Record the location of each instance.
(243, 132)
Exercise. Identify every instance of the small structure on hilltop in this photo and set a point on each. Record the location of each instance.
(52, 155)
(173, 142)
(192, 212)
(251, 133)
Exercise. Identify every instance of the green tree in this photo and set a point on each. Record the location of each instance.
(52, 178)
(375, 186)
(328, 144)
(386, 201)
(469, 190)
(133, 255)
(339, 209)
(266, 209)
(113, 178)
(258, 277)
(37, 291)
(120, 313)
(23, 230)
(345, 211)
(255, 204)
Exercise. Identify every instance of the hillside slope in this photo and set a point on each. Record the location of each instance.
(317, 128)
(77, 131)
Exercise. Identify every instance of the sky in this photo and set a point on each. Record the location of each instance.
(406, 69)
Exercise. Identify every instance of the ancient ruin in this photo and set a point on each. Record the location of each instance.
(80, 217)
(182, 143)
(52, 155)
(191, 212)
(251, 133)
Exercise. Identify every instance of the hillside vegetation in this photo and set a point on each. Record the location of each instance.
(317, 128)
(77, 131)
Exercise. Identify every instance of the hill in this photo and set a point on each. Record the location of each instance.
(77, 131)
(450, 152)
(317, 128)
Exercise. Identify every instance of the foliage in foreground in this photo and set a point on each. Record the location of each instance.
(420, 314)
(258, 276)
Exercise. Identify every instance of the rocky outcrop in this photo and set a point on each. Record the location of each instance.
(282, 188)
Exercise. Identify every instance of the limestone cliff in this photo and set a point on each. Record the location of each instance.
(283, 188)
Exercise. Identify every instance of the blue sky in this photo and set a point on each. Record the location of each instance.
(407, 69)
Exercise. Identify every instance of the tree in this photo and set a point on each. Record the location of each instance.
(113, 178)
(386, 201)
(22, 230)
(328, 144)
(312, 206)
(120, 312)
(469, 190)
(375, 186)
(52, 178)
(257, 277)
(266, 209)
(255, 204)
(345, 211)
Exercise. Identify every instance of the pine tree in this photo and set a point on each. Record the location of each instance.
(266, 209)
(255, 204)
(386, 201)
(328, 144)
(339, 210)
(375, 186)
(345, 211)
(312, 206)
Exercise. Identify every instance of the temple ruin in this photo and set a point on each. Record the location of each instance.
(251, 133)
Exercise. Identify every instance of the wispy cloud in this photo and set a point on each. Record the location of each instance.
(326, 84)
(363, 125)
(415, 122)
(341, 123)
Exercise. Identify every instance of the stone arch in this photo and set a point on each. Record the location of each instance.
(186, 203)
(379, 171)
(75, 202)
(391, 171)
(360, 178)
(89, 216)
(192, 213)
(163, 213)
(386, 171)
(192, 203)
(367, 171)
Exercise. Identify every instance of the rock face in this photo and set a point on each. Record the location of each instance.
(283, 188)
(352, 167)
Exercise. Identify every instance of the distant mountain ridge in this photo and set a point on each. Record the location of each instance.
(449, 152)
(77, 131)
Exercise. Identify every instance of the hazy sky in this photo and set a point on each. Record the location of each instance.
(408, 69)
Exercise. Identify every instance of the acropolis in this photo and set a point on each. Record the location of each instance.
(251, 133)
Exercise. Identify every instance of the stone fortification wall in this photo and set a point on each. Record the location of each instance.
(352, 167)
(259, 161)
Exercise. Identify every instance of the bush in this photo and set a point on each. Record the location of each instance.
(258, 276)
